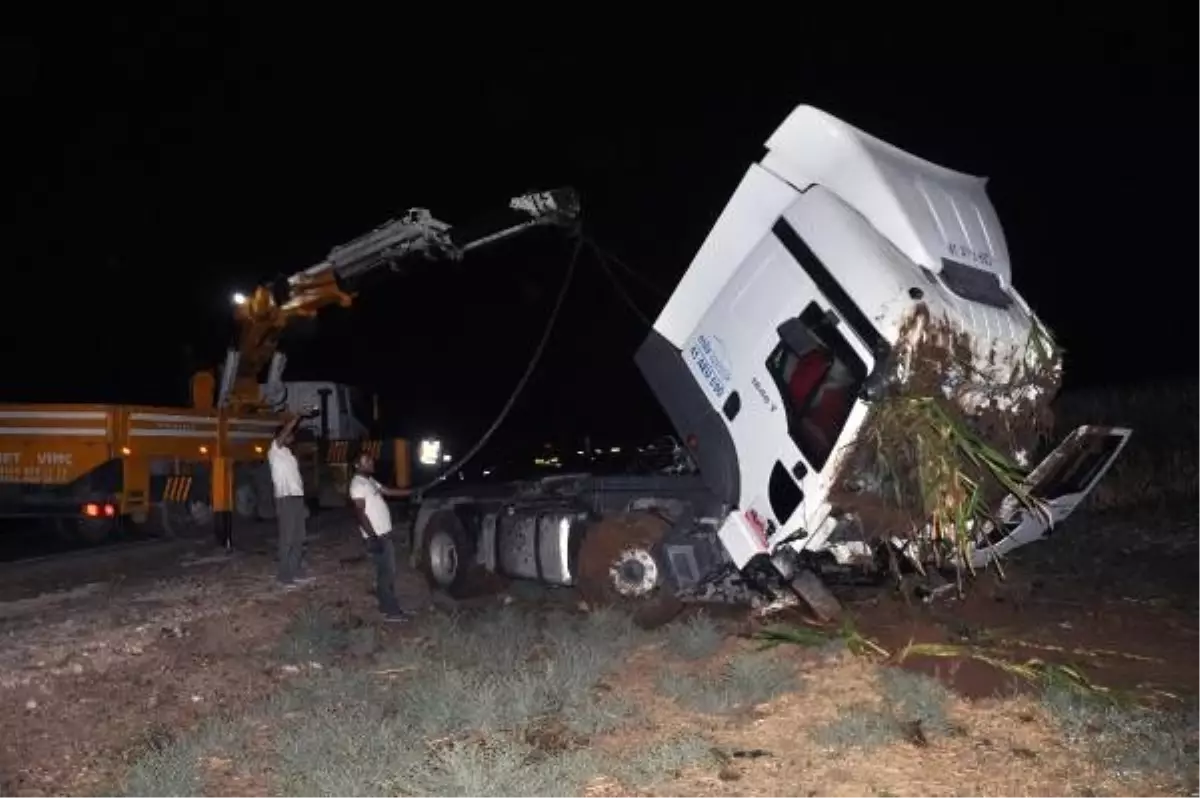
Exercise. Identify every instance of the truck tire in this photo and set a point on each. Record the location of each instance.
(245, 501)
(86, 531)
(186, 519)
(447, 556)
(620, 564)
(813, 592)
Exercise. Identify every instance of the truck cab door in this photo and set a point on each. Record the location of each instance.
(771, 355)
(1060, 482)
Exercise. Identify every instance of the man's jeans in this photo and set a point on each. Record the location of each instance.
(383, 551)
(291, 514)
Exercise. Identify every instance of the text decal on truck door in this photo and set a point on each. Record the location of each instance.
(762, 393)
(709, 355)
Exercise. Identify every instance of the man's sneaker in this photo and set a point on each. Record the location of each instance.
(396, 617)
(288, 587)
(305, 580)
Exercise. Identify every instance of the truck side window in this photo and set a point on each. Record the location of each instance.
(818, 375)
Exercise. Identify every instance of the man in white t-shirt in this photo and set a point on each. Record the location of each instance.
(290, 509)
(375, 525)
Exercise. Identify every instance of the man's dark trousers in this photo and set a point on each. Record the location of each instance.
(292, 514)
(384, 553)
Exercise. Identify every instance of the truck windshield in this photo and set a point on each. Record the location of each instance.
(818, 375)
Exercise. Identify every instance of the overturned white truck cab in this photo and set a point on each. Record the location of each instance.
(837, 256)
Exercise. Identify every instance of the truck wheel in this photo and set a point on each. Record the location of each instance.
(620, 563)
(185, 519)
(245, 501)
(448, 556)
(813, 592)
(86, 531)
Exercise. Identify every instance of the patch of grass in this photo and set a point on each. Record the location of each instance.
(438, 703)
(313, 636)
(342, 749)
(914, 708)
(857, 726)
(500, 639)
(599, 715)
(916, 698)
(496, 765)
(662, 761)
(695, 638)
(1130, 739)
(173, 770)
(166, 765)
(746, 681)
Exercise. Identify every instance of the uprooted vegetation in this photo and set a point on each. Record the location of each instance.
(950, 434)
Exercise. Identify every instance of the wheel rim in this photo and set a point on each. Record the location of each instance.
(635, 573)
(443, 558)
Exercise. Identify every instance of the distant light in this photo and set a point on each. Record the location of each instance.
(258, 450)
(615, 450)
(430, 451)
(203, 450)
(487, 472)
(446, 458)
(581, 452)
(125, 450)
(239, 298)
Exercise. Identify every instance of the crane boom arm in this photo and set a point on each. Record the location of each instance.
(263, 315)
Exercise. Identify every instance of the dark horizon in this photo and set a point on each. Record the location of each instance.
(157, 180)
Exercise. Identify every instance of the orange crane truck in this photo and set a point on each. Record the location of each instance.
(91, 469)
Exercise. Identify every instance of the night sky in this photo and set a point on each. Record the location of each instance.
(159, 163)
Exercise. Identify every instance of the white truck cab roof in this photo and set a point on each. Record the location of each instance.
(927, 211)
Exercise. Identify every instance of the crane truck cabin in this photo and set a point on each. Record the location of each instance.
(766, 355)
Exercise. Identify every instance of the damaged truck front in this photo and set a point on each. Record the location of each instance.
(856, 381)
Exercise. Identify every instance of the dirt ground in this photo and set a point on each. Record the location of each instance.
(111, 666)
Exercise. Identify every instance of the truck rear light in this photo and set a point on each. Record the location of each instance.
(93, 510)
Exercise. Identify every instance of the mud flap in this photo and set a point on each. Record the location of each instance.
(1060, 483)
